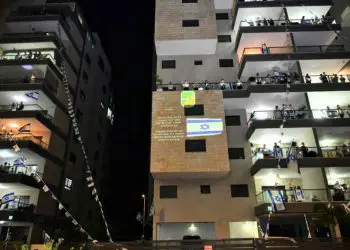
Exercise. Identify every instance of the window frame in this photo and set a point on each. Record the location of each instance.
(168, 64)
(224, 61)
(173, 195)
(190, 23)
(239, 194)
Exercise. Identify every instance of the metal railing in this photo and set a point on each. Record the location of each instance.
(290, 114)
(310, 195)
(19, 170)
(27, 137)
(227, 86)
(27, 107)
(293, 49)
(16, 205)
(285, 22)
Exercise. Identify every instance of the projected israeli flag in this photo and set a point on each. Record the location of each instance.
(8, 198)
(203, 127)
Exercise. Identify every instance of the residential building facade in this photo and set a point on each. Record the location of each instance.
(276, 75)
(37, 38)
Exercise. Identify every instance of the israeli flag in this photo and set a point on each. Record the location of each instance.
(8, 198)
(277, 201)
(33, 95)
(19, 162)
(299, 195)
(203, 127)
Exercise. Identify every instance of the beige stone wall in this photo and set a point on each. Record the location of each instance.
(169, 156)
(169, 16)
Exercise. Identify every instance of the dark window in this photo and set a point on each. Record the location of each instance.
(236, 153)
(189, 1)
(88, 59)
(198, 62)
(97, 155)
(82, 95)
(72, 158)
(224, 38)
(101, 64)
(85, 77)
(223, 63)
(190, 23)
(195, 146)
(222, 16)
(240, 190)
(168, 192)
(169, 64)
(233, 120)
(205, 189)
(194, 110)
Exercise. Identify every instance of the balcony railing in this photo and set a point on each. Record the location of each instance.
(29, 170)
(227, 86)
(17, 205)
(294, 78)
(310, 195)
(27, 137)
(292, 49)
(26, 80)
(16, 55)
(284, 22)
(28, 107)
(290, 114)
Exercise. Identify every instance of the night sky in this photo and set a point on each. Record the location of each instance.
(126, 29)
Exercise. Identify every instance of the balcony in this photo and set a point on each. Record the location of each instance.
(297, 119)
(254, 58)
(39, 41)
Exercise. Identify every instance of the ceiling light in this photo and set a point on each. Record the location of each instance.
(27, 67)
(192, 228)
(19, 98)
(6, 154)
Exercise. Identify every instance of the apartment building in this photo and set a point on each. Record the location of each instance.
(275, 74)
(37, 37)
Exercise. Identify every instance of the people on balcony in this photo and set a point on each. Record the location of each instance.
(342, 79)
(222, 84)
(307, 79)
(277, 151)
(185, 85)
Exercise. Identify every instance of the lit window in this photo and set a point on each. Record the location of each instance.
(68, 184)
(110, 115)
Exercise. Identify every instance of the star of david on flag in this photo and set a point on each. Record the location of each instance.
(203, 127)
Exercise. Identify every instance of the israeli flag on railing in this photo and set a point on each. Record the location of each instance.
(277, 201)
(19, 162)
(8, 198)
(33, 95)
(299, 195)
(203, 127)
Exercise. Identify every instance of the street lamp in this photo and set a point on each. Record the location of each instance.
(144, 216)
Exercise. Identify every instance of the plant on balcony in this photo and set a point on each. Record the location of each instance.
(158, 80)
(327, 216)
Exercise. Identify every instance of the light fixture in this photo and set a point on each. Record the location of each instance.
(192, 228)
(6, 154)
(13, 125)
(27, 67)
(2, 222)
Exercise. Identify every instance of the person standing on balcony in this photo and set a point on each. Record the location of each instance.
(340, 112)
(307, 79)
(265, 49)
(342, 79)
(222, 84)
(185, 85)
(303, 149)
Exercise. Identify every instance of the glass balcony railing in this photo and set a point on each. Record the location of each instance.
(27, 137)
(28, 107)
(289, 196)
(29, 170)
(227, 86)
(290, 114)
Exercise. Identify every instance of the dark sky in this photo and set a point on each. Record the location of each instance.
(126, 29)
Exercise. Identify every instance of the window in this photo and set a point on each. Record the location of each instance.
(88, 59)
(168, 192)
(195, 146)
(194, 110)
(224, 38)
(198, 62)
(79, 115)
(189, 1)
(236, 153)
(224, 63)
(82, 95)
(68, 184)
(190, 23)
(222, 16)
(233, 120)
(168, 64)
(97, 155)
(72, 158)
(101, 64)
(205, 189)
(240, 190)
(85, 77)
(99, 138)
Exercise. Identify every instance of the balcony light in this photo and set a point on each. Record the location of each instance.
(27, 67)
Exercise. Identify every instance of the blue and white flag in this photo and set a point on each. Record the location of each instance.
(299, 195)
(8, 198)
(203, 127)
(277, 201)
(19, 162)
(33, 95)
